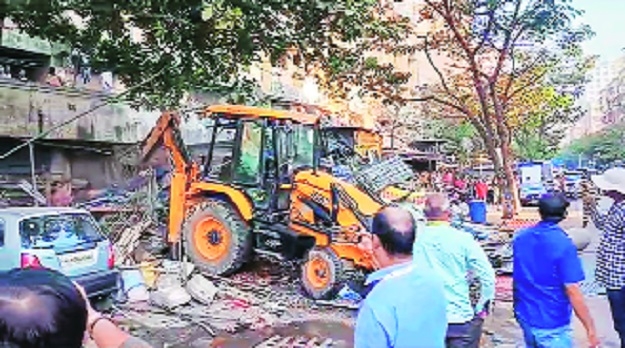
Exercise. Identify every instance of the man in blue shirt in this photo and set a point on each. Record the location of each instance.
(547, 273)
(455, 255)
(406, 306)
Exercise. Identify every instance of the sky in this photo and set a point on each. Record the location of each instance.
(606, 17)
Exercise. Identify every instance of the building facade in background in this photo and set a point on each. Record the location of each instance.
(43, 85)
(291, 82)
(51, 89)
(602, 99)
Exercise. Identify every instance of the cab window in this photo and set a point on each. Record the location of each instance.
(248, 164)
(304, 145)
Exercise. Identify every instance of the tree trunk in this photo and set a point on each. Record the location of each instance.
(512, 203)
(508, 190)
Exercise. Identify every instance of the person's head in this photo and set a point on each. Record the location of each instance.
(393, 234)
(437, 207)
(553, 208)
(612, 183)
(40, 308)
(52, 71)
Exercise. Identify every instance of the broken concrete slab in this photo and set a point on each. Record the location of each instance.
(170, 297)
(201, 343)
(138, 295)
(202, 289)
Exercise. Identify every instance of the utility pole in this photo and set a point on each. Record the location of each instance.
(579, 160)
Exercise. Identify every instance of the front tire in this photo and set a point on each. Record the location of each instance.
(323, 274)
(217, 240)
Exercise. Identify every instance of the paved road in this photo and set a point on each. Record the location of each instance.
(596, 300)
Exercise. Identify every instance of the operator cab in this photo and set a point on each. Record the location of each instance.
(259, 154)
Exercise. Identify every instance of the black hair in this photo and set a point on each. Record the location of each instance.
(553, 207)
(396, 237)
(40, 308)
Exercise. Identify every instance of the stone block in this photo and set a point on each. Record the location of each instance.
(170, 297)
(201, 289)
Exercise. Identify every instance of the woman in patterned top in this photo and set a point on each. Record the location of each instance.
(611, 250)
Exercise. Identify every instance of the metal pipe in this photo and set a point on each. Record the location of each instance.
(33, 176)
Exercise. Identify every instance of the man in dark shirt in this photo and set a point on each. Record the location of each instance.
(547, 273)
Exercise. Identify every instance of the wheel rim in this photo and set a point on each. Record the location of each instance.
(211, 239)
(318, 272)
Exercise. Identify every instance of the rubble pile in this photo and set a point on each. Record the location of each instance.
(255, 299)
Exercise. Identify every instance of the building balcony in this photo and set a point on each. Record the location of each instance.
(29, 108)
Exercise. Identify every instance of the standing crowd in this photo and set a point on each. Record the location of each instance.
(460, 186)
(420, 296)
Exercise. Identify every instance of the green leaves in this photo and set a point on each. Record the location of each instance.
(604, 147)
(198, 44)
(461, 139)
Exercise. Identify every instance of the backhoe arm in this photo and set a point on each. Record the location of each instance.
(166, 132)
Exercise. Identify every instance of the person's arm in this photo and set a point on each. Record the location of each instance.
(597, 218)
(104, 332)
(581, 312)
(483, 270)
(590, 203)
(369, 332)
(571, 273)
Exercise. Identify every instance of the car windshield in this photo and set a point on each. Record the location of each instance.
(58, 230)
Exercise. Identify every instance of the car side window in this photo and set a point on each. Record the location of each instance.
(1, 233)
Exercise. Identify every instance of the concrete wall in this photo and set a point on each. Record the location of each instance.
(27, 108)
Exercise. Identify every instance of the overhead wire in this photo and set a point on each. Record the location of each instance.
(109, 101)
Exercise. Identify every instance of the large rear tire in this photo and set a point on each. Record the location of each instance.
(217, 240)
(323, 274)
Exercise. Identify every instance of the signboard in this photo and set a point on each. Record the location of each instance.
(531, 173)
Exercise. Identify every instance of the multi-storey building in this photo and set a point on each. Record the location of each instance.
(602, 99)
(49, 89)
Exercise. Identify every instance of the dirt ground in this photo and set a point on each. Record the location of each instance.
(302, 321)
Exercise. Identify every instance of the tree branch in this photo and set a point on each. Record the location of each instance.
(461, 109)
(503, 53)
(440, 74)
(514, 75)
(448, 17)
(525, 86)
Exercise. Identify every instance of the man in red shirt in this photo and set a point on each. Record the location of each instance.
(481, 189)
